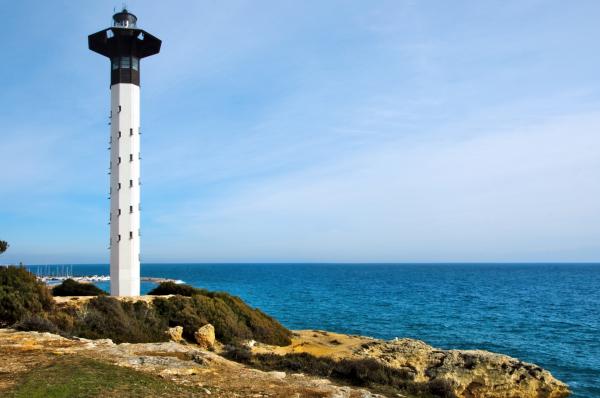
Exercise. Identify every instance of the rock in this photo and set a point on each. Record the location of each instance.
(468, 373)
(205, 336)
(277, 375)
(175, 334)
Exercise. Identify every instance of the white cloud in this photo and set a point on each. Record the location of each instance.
(530, 194)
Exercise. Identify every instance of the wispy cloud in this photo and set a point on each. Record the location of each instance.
(339, 131)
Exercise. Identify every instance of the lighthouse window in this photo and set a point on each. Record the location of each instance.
(130, 183)
(119, 186)
(131, 157)
(125, 62)
(119, 212)
(130, 234)
(135, 63)
(115, 63)
(130, 131)
(131, 209)
(119, 160)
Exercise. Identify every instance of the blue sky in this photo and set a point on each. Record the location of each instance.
(311, 131)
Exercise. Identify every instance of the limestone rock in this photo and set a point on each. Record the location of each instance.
(205, 336)
(277, 374)
(175, 334)
(468, 373)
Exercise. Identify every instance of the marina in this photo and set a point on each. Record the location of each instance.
(56, 274)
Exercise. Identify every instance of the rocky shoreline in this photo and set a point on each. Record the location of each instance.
(183, 341)
(471, 373)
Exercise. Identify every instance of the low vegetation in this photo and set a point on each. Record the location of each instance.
(232, 318)
(368, 373)
(74, 376)
(108, 318)
(167, 288)
(71, 287)
(28, 305)
(21, 295)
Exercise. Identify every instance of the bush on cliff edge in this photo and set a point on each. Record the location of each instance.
(166, 288)
(21, 294)
(28, 304)
(121, 321)
(233, 319)
(70, 287)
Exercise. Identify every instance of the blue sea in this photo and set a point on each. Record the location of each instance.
(548, 314)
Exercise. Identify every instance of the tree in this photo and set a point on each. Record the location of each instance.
(3, 246)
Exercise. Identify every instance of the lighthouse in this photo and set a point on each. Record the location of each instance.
(125, 45)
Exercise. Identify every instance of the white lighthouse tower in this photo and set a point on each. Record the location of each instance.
(125, 45)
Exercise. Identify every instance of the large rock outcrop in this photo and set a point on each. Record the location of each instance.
(469, 373)
(460, 373)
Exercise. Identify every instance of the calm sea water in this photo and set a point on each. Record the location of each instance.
(548, 314)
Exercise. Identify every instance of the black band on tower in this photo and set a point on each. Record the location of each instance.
(125, 45)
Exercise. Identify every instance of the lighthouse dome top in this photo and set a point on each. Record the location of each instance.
(124, 19)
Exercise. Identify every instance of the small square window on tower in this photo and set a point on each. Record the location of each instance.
(119, 160)
(130, 183)
(131, 209)
(131, 157)
(119, 186)
(119, 239)
(130, 234)
(130, 131)
(119, 108)
(119, 134)
(119, 212)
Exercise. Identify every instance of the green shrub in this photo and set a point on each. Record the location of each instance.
(166, 288)
(21, 294)
(108, 318)
(70, 287)
(122, 321)
(365, 372)
(36, 323)
(440, 388)
(233, 319)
